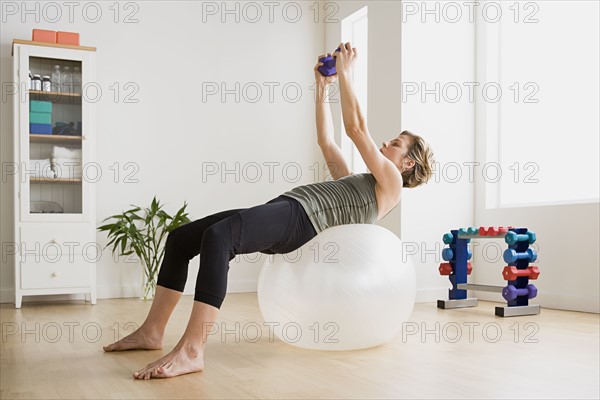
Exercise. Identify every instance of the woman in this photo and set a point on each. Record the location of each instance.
(280, 226)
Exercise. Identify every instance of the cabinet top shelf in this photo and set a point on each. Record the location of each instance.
(56, 97)
(58, 94)
(38, 138)
(64, 46)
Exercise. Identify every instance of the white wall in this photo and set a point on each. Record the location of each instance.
(558, 134)
(170, 132)
(436, 51)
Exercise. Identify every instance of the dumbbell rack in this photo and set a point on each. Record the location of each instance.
(517, 292)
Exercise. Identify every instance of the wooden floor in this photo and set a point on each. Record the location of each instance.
(55, 351)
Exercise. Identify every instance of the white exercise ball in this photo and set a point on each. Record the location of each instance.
(350, 287)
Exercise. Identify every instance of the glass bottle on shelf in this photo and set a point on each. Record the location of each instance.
(45, 83)
(65, 80)
(29, 81)
(36, 83)
(76, 85)
(55, 79)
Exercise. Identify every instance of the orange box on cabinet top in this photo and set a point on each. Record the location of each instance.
(71, 38)
(43, 35)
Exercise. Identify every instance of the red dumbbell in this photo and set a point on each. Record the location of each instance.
(446, 268)
(488, 231)
(510, 273)
(492, 230)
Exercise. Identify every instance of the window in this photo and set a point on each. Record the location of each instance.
(355, 31)
(543, 130)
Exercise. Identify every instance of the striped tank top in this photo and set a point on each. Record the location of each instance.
(348, 200)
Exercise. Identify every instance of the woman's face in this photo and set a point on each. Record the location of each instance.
(395, 150)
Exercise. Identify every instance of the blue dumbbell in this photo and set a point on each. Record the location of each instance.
(510, 292)
(512, 237)
(328, 67)
(448, 254)
(511, 255)
(448, 238)
(468, 231)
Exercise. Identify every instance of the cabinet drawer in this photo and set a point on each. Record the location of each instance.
(60, 274)
(62, 238)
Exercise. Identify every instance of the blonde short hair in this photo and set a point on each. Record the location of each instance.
(421, 153)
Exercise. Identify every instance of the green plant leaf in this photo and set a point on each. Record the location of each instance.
(123, 244)
(154, 206)
(105, 227)
(145, 240)
(134, 216)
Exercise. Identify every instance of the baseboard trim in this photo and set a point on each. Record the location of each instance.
(7, 295)
(556, 301)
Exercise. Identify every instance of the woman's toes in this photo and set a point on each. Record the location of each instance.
(162, 372)
(110, 347)
(141, 374)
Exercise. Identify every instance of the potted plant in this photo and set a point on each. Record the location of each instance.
(145, 240)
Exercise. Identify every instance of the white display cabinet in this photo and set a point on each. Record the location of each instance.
(54, 136)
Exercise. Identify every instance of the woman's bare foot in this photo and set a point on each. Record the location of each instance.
(183, 359)
(143, 338)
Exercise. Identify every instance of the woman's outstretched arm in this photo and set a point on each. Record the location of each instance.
(385, 172)
(331, 152)
(351, 114)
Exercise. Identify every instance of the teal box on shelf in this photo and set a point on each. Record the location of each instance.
(40, 118)
(40, 106)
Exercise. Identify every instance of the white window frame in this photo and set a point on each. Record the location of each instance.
(350, 34)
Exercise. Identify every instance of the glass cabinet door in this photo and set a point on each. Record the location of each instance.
(53, 135)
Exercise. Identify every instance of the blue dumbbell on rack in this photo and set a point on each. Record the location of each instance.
(448, 238)
(512, 237)
(510, 292)
(511, 256)
(448, 254)
(471, 230)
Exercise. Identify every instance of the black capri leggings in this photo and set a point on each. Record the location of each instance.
(276, 227)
